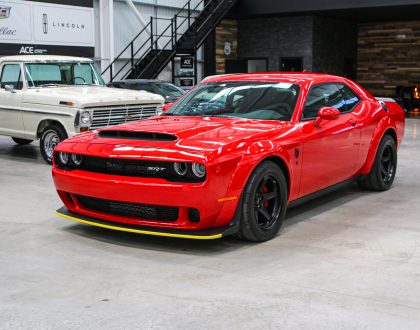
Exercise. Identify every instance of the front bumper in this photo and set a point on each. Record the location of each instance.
(207, 234)
(216, 205)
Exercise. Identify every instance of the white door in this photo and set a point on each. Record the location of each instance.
(11, 83)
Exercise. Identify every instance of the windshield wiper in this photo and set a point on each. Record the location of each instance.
(168, 114)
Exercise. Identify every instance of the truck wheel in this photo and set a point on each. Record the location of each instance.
(21, 142)
(264, 204)
(384, 167)
(51, 136)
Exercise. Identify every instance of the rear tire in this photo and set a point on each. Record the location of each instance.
(51, 136)
(21, 142)
(382, 174)
(264, 204)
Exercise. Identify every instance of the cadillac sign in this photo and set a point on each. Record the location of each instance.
(4, 12)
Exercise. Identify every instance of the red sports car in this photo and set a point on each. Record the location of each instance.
(230, 157)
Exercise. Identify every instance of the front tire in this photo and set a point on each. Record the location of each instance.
(51, 136)
(382, 174)
(264, 203)
(21, 142)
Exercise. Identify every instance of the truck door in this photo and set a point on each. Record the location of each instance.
(11, 85)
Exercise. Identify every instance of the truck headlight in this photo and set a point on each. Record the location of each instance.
(85, 118)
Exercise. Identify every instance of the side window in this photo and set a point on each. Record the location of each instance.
(350, 98)
(324, 95)
(11, 75)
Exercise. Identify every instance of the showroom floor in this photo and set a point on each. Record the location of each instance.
(348, 260)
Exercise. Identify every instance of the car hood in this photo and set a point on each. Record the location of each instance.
(200, 136)
(89, 96)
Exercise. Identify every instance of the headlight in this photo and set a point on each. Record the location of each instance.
(181, 168)
(199, 170)
(76, 159)
(159, 110)
(85, 118)
(63, 158)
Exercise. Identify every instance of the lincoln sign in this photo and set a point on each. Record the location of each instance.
(33, 27)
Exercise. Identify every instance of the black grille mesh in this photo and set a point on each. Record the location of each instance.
(142, 211)
(135, 168)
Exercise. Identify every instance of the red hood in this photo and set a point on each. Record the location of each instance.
(192, 135)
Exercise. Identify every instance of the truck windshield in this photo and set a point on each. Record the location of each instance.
(60, 73)
(252, 100)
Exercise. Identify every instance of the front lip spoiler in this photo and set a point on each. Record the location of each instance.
(207, 234)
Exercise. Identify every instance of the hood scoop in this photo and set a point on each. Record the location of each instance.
(130, 135)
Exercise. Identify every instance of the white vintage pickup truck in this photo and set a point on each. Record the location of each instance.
(52, 98)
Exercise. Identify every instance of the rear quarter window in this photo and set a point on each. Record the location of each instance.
(351, 100)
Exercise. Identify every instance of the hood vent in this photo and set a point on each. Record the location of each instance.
(129, 135)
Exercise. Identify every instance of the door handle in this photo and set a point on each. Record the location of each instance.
(352, 122)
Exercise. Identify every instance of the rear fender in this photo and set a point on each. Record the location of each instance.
(384, 124)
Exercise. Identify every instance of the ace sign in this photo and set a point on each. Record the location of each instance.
(187, 62)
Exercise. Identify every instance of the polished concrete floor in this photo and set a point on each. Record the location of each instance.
(348, 260)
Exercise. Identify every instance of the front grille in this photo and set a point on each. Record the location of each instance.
(115, 115)
(132, 210)
(135, 168)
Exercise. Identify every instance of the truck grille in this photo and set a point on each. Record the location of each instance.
(133, 210)
(115, 115)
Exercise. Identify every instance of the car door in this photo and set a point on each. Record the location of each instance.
(11, 83)
(330, 149)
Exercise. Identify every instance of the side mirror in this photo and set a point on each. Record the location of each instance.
(9, 88)
(326, 113)
(166, 106)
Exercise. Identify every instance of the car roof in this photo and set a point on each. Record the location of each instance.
(43, 58)
(291, 77)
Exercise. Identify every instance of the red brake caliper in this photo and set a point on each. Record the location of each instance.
(264, 191)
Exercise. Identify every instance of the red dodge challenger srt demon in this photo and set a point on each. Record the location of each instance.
(230, 157)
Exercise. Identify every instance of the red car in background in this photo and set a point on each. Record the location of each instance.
(230, 157)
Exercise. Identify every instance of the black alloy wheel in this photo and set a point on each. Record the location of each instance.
(382, 174)
(387, 164)
(264, 203)
(267, 207)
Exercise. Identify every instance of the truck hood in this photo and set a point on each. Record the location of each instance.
(200, 136)
(89, 96)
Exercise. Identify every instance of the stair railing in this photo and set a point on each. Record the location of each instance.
(170, 38)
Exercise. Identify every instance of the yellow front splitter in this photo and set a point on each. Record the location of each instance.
(208, 234)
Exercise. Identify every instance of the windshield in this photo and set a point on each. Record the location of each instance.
(60, 73)
(253, 100)
(168, 91)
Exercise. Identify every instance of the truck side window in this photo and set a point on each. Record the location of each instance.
(11, 75)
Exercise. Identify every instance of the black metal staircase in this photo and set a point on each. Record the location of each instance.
(150, 52)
